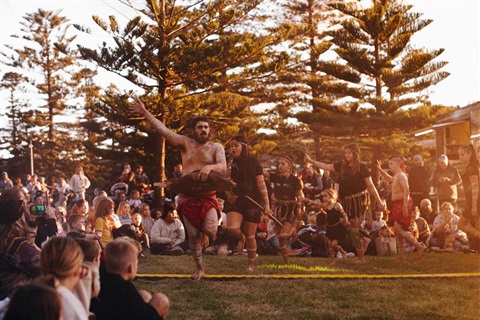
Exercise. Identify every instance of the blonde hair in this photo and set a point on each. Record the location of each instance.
(332, 193)
(119, 253)
(61, 257)
(120, 210)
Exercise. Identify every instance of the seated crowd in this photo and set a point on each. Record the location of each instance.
(79, 257)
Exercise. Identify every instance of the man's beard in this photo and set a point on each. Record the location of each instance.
(202, 139)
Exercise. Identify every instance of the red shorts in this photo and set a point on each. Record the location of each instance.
(195, 208)
(396, 214)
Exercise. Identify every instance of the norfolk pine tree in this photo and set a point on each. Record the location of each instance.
(202, 58)
(49, 71)
(377, 73)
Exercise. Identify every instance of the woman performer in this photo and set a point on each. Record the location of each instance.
(469, 221)
(287, 200)
(355, 188)
(247, 175)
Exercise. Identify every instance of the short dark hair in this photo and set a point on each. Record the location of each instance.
(196, 120)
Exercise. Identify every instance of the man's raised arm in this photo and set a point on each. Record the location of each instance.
(172, 137)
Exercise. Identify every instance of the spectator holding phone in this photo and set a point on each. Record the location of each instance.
(44, 217)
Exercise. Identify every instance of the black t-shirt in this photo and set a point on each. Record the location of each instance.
(349, 182)
(244, 173)
(285, 188)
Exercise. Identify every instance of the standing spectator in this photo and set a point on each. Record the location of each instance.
(446, 179)
(470, 219)
(79, 183)
(142, 183)
(61, 193)
(5, 182)
(43, 184)
(17, 182)
(168, 233)
(327, 180)
(33, 186)
(419, 180)
(355, 189)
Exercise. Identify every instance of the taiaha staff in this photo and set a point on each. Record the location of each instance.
(263, 210)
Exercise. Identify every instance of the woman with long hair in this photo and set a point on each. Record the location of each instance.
(248, 193)
(355, 188)
(62, 268)
(470, 220)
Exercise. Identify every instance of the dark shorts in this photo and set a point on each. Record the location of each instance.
(249, 212)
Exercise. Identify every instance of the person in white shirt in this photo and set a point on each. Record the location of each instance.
(167, 236)
(79, 183)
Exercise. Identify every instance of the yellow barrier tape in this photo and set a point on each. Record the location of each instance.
(312, 276)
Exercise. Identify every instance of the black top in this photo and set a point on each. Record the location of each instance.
(119, 299)
(244, 173)
(419, 179)
(285, 188)
(351, 183)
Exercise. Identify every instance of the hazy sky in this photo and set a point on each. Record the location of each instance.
(456, 27)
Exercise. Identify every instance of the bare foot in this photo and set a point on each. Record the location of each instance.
(420, 251)
(362, 260)
(344, 255)
(400, 257)
(197, 275)
(285, 258)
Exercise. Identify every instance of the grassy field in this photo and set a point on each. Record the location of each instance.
(440, 286)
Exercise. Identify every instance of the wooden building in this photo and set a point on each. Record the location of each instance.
(461, 126)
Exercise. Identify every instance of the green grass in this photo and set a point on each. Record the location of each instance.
(342, 298)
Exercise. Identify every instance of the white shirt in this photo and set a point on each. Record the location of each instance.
(73, 309)
(173, 233)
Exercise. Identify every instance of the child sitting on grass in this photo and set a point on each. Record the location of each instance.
(119, 298)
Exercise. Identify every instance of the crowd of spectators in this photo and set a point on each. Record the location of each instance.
(58, 245)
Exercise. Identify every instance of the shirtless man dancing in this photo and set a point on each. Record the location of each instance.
(200, 211)
(401, 215)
